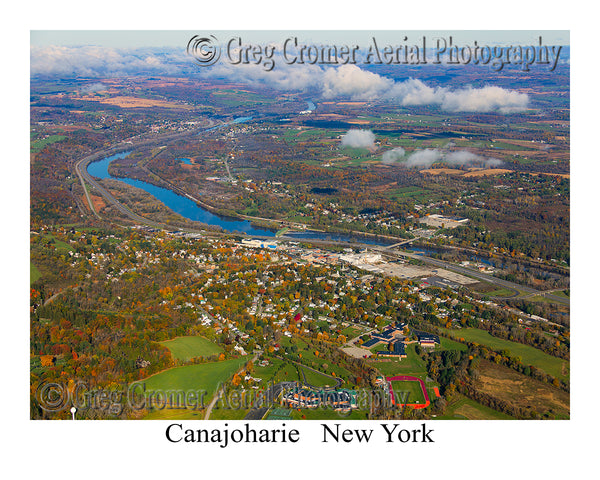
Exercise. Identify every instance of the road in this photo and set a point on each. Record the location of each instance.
(480, 275)
(84, 176)
(218, 395)
(257, 413)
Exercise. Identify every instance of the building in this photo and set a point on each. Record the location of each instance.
(255, 243)
(427, 339)
(305, 397)
(398, 351)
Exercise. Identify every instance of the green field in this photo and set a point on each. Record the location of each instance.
(529, 355)
(352, 331)
(203, 377)
(411, 365)
(447, 344)
(277, 371)
(464, 408)
(405, 192)
(309, 358)
(501, 292)
(327, 414)
(59, 245)
(228, 414)
(185, 348)
(175, 414)
(317, 379)
(38, 145)
(34, 273)
(415, 394)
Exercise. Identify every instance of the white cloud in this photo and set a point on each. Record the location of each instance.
(484, 100)
(423, 158)
(351, 81)
(426, 158)
(392, 156)
(346, 81)
(358, 139)
(94, 61)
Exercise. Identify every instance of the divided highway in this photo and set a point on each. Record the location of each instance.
(85, 177)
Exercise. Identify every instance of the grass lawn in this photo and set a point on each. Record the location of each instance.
(464, 408)
(447, 344)
(411, 365)
(542, 299)
(227, 414)
(184, 348)
(317, 379)
(59, 245)
(556, 367)
(277, 371)
(309, 357)
(351, 332)
(501, 292)
(38, 145)
(203, 377)
(34, 273)
(328, 414)
(175, 414)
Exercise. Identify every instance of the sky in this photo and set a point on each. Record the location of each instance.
(175, 38)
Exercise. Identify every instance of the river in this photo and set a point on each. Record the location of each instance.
(191, 210)
(184, 206)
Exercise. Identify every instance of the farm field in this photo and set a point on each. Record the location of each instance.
(38, 145)
(327, 414)
(175, 414)
(203, 377)
(34, 273)
(185, 348)
(522, 391)
(554, 366)
(228, 414)
(463, 408)
(447, 344)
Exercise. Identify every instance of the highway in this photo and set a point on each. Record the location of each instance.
(479, 275)
(84, 176)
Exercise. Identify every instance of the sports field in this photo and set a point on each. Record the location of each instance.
(408, 390)
(185, 348)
